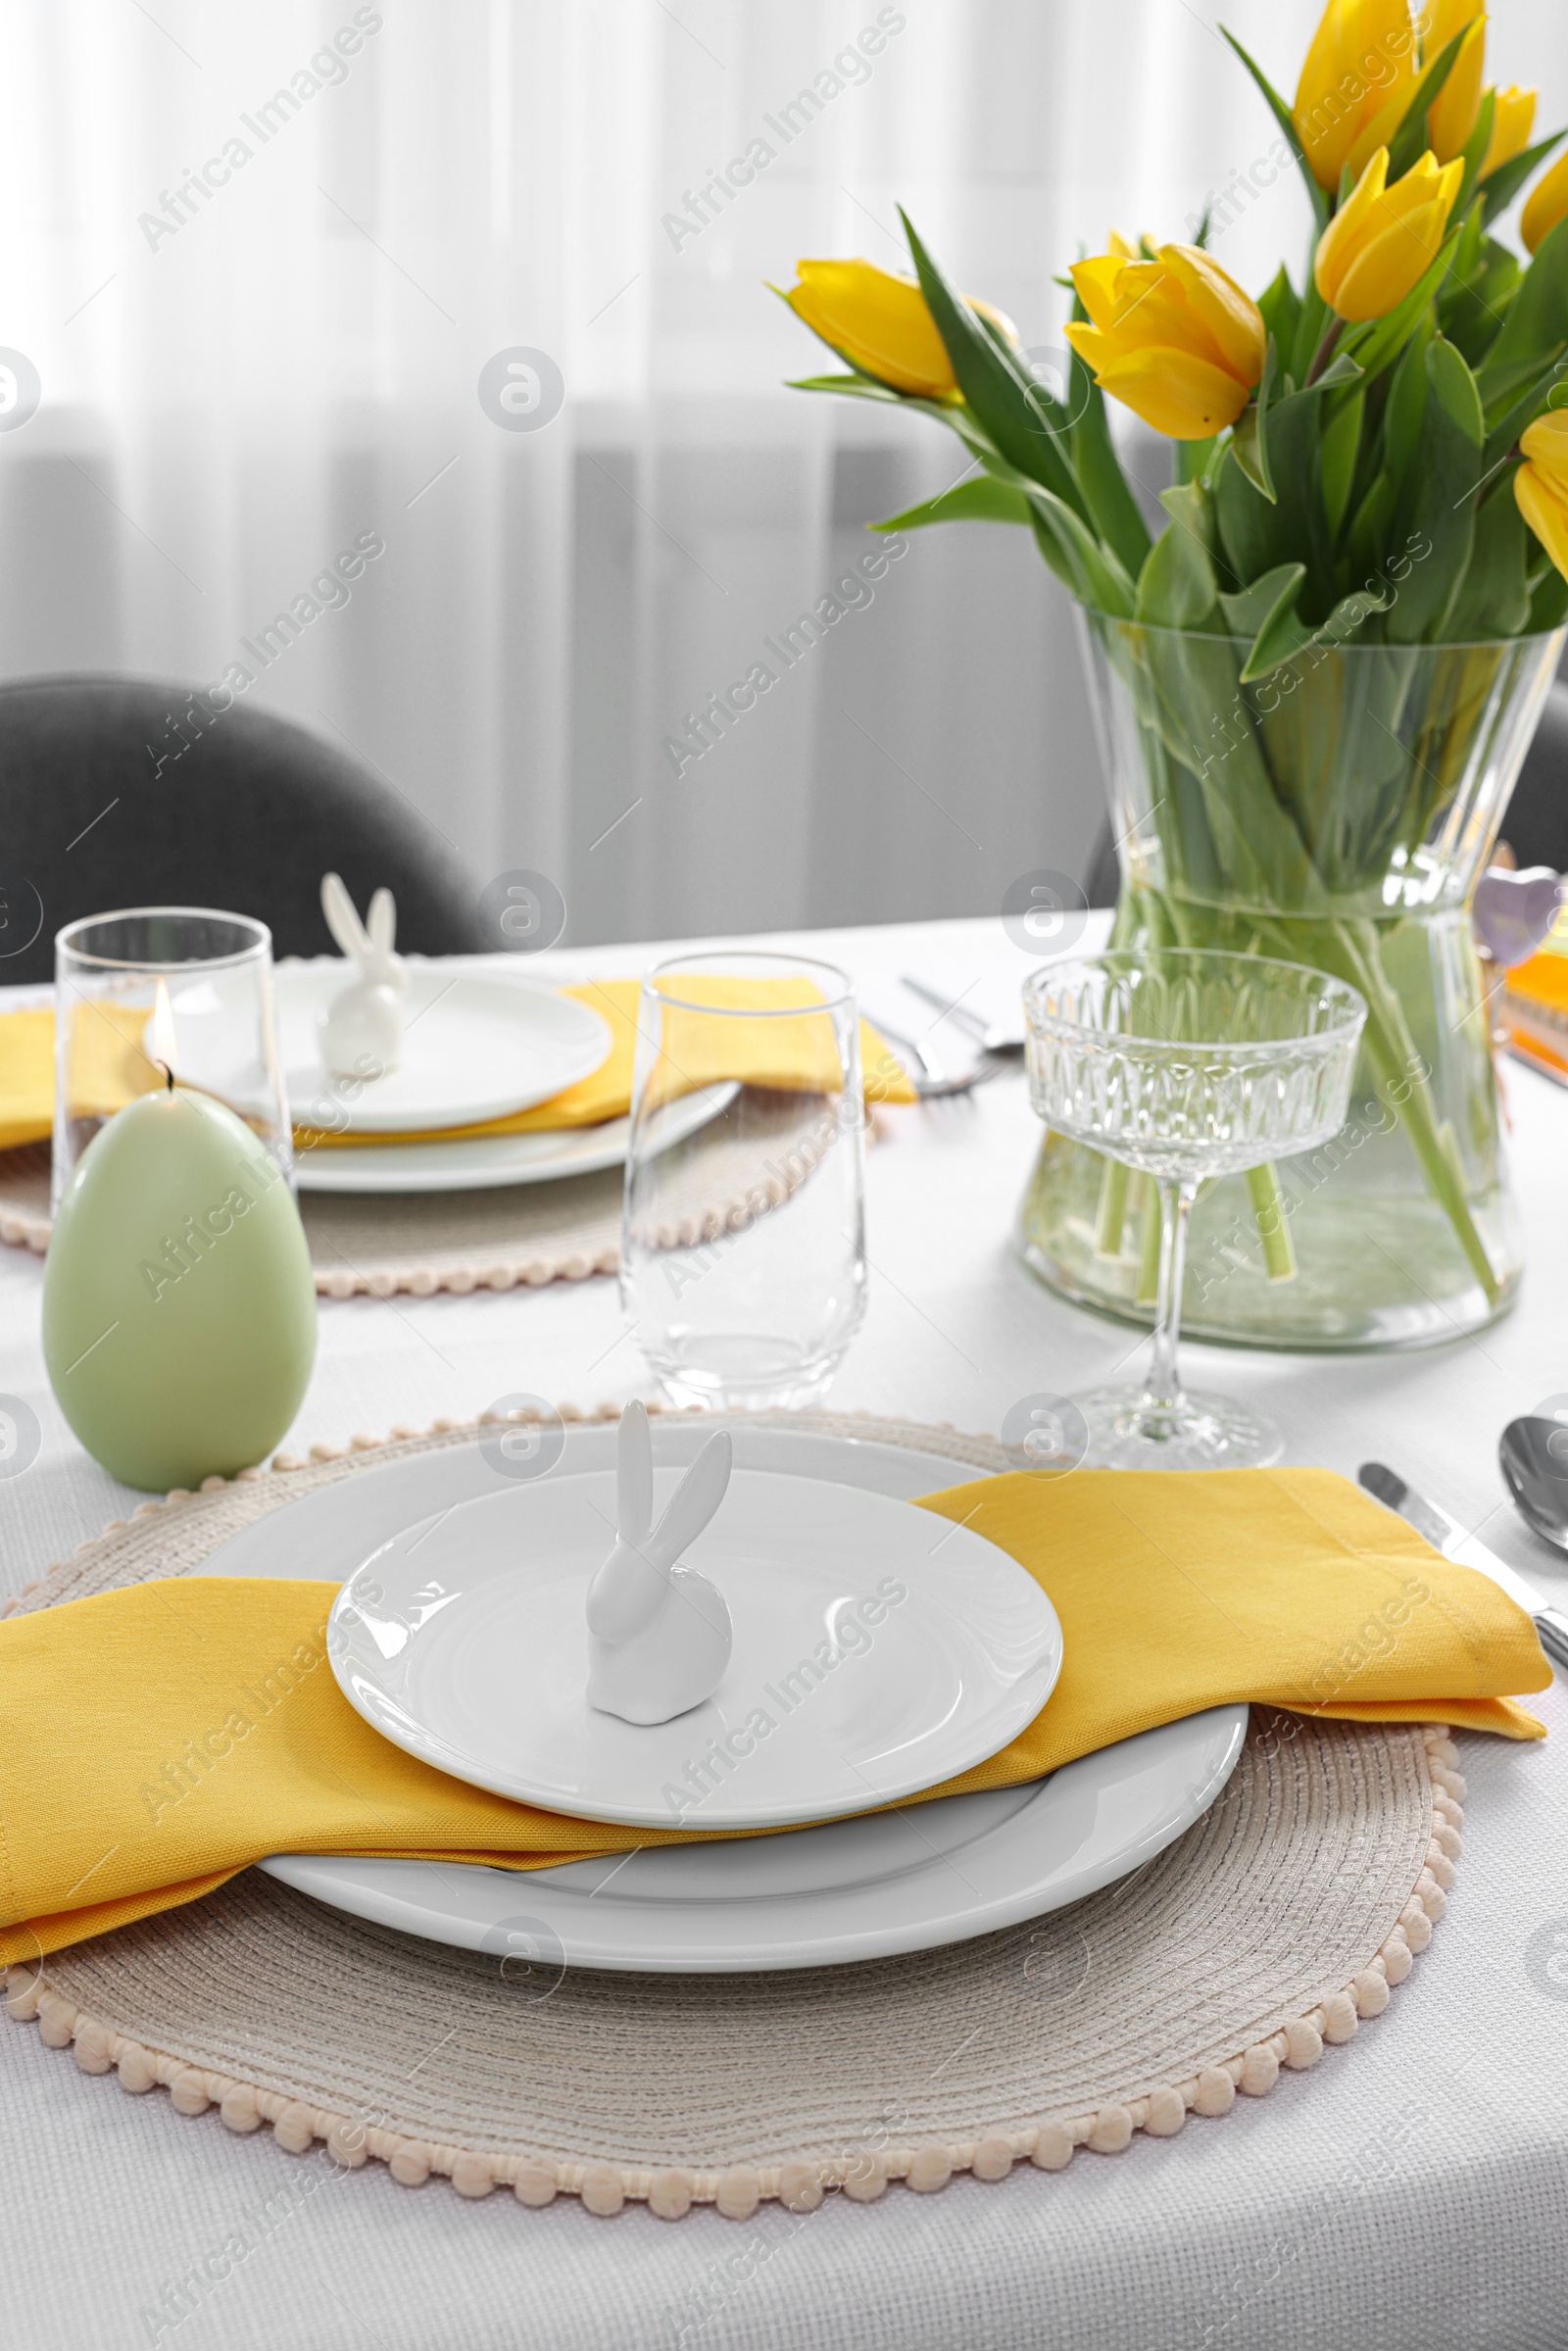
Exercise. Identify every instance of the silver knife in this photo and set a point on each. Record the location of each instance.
(1446, 1535)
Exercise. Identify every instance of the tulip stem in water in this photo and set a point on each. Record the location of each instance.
(1112, 1215)
(1268, 1210)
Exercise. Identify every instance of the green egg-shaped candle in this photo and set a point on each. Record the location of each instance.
(178, 1303)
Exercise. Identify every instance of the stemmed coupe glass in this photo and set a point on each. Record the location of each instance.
(1185, 1063)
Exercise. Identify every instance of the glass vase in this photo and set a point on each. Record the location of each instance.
(1336, 813)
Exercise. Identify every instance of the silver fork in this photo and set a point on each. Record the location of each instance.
(935, 1085)
(994, 1040)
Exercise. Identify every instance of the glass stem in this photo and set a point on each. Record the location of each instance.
(1162, 1388)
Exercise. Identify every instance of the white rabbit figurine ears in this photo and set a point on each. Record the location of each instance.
(368, 944)
(691, 1507)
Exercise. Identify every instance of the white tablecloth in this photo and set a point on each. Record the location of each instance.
(1411, 2191)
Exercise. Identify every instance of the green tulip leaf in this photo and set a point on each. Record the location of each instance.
(1370, 532)
(1010, 406)
(1113, 510)
(1475, 303)
(1406, 405)
(1176, 587)
(1095, 575)
(1537, 315)
(1494, 595)
(1410, 141)
(1548, 602)
(981, 500)
(1474, 151)
(1248, 434)
(1505, 424)
(1311, 321)
(1249, 613)
(1502, 386)
(1338, 450)
(1283, 637)
(1499, 189)
(1436, 524)
(1256, 534)
(1287, 122)
(1281, 307)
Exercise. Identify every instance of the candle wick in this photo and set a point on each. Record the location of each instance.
(170, 1075)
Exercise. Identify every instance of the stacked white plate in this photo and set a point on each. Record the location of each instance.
(880, 1649)
(477, 1046)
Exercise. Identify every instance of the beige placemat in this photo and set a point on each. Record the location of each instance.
(377, 1244)
(1275, 1924)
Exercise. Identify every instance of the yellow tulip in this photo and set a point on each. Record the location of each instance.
(1361, 75)
(1174, 339)
(881, 324)
(1451, 115)
(1541, 484)
(1513, 118)
(1381, 239)
(1547, 204)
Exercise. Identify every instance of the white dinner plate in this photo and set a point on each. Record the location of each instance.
(867, 1888)
(488, 1160)
(475, 1046)
(1082, 1829)
(878, 1650)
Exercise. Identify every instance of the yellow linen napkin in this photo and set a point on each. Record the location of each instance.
(155, 1739)
(778, 1052)
(121, 1071)
(27, 1076)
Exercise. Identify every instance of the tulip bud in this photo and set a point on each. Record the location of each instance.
(1541, 485)
(1174, 339)
(881, 324)
(1451, 115)
(1361, 75)
(1383, 239)
(1513, 118)
(1547, 204)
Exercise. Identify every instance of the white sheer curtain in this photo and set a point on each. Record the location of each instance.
(244, 369)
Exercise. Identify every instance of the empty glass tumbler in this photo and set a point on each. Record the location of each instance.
(742, 1247)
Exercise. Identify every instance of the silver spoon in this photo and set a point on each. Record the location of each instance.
(1534, 1457)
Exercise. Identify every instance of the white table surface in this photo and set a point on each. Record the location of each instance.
(1413, 2190)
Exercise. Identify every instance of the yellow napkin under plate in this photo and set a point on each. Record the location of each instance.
(784, 1059)
(155, 1739)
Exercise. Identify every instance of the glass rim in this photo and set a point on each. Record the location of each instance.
(715, 958)
(1220, 636)
(1350, 1019)
(261, 940)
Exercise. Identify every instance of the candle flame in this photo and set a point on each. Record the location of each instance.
(158, 1035)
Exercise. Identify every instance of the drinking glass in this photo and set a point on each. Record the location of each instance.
(1185, 1064)
(218, 1033)
(743, 1244)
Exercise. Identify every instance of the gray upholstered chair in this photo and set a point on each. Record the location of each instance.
(128, 792)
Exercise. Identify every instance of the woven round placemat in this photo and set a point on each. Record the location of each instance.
(1276, 1924)
(376, 1243)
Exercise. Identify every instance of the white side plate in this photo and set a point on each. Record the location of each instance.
(938, 1873)
(880, 1649)
(475, 1046)
(497, 1160)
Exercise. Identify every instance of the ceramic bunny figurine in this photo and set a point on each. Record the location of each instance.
(363, 1022)
(659, 1634)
